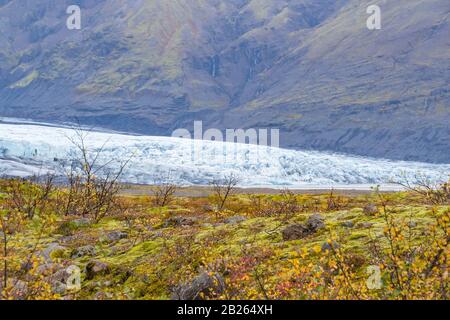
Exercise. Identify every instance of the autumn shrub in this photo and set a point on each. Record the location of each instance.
(19, 276)
(92, 186)
(222, 190)
(29, 196)
(163, 190)
(284, 206)
(335, 202)
(429, 192)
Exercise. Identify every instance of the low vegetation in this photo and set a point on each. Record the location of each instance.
(228, 245)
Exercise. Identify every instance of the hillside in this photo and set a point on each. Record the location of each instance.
(308, 67)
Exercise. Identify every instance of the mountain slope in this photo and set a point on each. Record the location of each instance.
(308, 67)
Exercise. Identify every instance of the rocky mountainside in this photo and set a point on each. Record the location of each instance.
(308, 67)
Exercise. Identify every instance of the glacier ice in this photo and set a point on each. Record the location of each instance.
(28, 149)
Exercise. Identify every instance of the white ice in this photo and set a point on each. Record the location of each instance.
(28, 149)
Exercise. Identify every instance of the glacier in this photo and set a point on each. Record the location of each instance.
(28, 149)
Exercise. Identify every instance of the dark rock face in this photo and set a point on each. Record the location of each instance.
(326, 94)
(301, 231)
(203, 286)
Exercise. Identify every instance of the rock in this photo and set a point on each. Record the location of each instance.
(327, 246)
(46, 269)
(235, 220)
(95, 268)
(83, 251)
(58, 280)
(203, 286)
(315, 222)
(60, 276)
(59, 287)
(370, 209)
(299, 231)
(17, 289)
(364, 225)
(20, 289)
(49, 252)
(295, 232)
(116, 235)
(67, 239)
(179, 221)
(348, 224)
